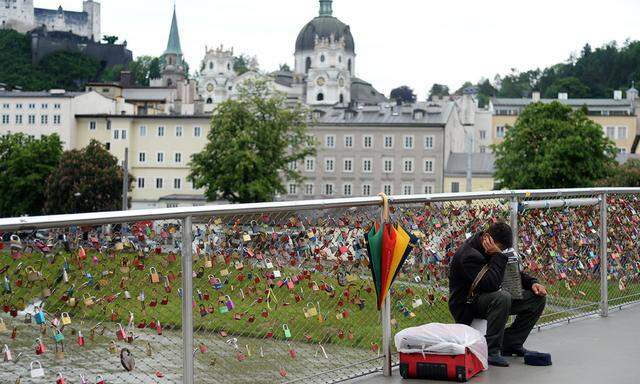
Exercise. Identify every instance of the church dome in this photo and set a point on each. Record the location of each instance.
(324, 26)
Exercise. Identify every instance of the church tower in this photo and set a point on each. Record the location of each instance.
(325, 57)
(173, 68)
(217, 76)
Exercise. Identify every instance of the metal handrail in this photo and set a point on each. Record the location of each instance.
(99, 218)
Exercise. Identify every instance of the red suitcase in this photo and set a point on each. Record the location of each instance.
(440, 367)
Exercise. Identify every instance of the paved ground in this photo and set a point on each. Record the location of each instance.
(595, 350)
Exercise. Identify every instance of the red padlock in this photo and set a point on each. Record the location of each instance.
(60, 379)
(80, 339)
(159, 328)
(40, 348)
(165, 300)
(203, 348)
(120, 333)
(100, 380)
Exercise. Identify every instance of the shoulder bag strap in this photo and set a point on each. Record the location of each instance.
(476, 281)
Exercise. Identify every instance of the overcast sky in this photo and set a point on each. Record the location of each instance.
(412, 42)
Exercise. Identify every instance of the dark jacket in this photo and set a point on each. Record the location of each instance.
(465, 266)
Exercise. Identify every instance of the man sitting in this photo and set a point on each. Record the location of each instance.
(489, 301)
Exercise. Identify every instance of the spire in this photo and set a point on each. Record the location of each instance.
(325, 8)
(173, 46)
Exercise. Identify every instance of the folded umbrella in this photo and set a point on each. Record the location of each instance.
(404, 245)
(388, 246)
(374, 251)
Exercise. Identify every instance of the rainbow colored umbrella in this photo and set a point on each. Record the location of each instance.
(388, 248)
(405, 242)
(374, 251)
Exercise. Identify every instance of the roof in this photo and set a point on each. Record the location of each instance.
(482, 164)
(513, 102)
(364, 92)
(283, 78)
(69, 16)
(324, 27)
(173, 45)
(40, 94)
(183, 197)
(385, 115)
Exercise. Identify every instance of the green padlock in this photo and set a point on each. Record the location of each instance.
(59, 337)
(287, 331)
(223, 309)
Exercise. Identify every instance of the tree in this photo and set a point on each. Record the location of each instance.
(145, 68)
(110, 39)
(571, 85)
(551, 146)
(24, 163)
(403, 94)
(285, 67)
(112, 74)
(245, 63)
(252, 144)
(85, 180)
(625, 175)
(438, 90)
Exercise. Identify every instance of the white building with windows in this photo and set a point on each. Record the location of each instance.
(45, 113)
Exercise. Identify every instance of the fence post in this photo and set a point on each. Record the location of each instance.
(604, 286)
(385, 316)
(187, 301)
(514, 220)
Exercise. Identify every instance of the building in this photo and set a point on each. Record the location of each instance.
(482, 167)
(45, 113)
(22, 16)
(617, 116)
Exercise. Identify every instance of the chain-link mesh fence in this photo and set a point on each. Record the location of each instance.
(279, 295)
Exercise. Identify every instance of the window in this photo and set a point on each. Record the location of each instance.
(307, 65)
(428, 165)
(5, 119)
(292, 166)
(92, 125)
(160, 131)
(622, 133)
(407, 165)
(56, 119)
(348, 141)
(388, 141)
(322, 58)
(44, 119)
(18, 106)
(159, 183)
(116, 134)
(310, 164)
(32, 106)
(308, 189)
(328, 189)
(387, 189)
(408, 141)
(622, 150)
(367, 141)
(348, 189)
(123, 134)
(366, 190)
(455, 187)
(387, 165)
(177, 183)
(428, 142)
(108, 125)
(56, 106)
(347, 165)
(5, 106)
(140, 182)
(293, 189)
(330, 141)
(483, 134)
(197, 131)
(107, 146)
(366, 165)
(177, 157)
(500, 131)
(45, 106)
(329, 164)
(142, 157)
(178, 131)
(428, 189)
(32, 119)
(611, 132)
(160, 157)
(483, 148)
(320, 97)
(142, 131)
(407, 189)
(18, 119)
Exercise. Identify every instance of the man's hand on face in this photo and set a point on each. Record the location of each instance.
(490, 246)
(539, 289)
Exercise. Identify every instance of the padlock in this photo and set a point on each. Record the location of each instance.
(203, 348)
(27, 318)
(3, 326)
(292, 352)
(40, 348)
(113, 348)
(127, 360)
(229, 303)
(65, 318)
(6, 352)
(165, 300)
(82, 255)
(287, 331)
(58, 336)
(88, 300)
(155, 278)
(100, 380)
(36, 371)
(127, 295)
(80, 339)
(203, 311)
(59, 353)
(60, 379)
(55, 322)
(159, 328)
(120, 333)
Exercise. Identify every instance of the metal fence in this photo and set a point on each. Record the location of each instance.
(280, 292)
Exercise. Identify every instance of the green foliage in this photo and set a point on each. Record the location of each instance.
(403, 94)
(110, 39)
(252, 142)
(625, 175)
(145, 68)
(244, 63)
(60, 70)
(570, 85)
(551, 146)
(112, 74)
(86, 180)
(25, 163)
(285, 67)
(438, 90)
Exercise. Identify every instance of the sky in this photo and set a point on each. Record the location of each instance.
(403, 42)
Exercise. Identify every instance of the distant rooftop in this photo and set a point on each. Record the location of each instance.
(420, 114)
(523, 102)
(53, 93)
(482, 164)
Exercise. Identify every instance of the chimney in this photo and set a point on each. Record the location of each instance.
(563, 96)
(617, 95)
(535, 96)
(126, 79)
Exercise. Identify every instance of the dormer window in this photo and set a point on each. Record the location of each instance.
(418, 115)
(322, 58)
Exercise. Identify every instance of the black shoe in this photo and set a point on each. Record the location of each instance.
(498, 361)
(519, 352)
